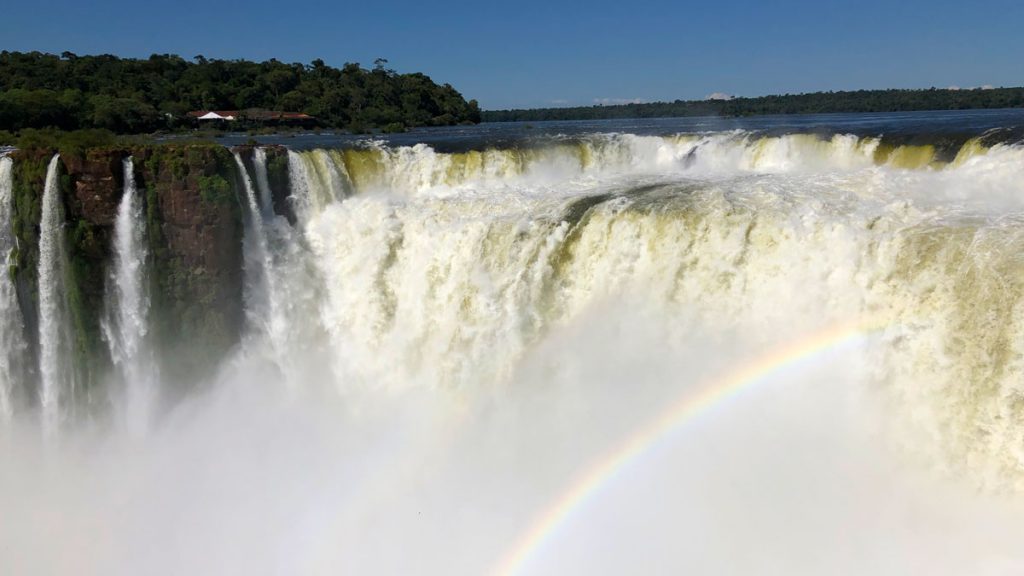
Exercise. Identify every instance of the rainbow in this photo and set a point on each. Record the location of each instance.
(729, 385)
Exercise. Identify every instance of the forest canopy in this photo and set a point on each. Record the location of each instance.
(818, 102)
(131, 96)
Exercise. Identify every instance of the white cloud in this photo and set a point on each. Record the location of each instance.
(719, 96)
(615, 101)
(982, 87)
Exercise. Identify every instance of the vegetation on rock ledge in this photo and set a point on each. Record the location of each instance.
(194, 235)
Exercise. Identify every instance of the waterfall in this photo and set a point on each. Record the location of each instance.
(263, 183)
(57, 386)
(264, 307)
(448, 285)
(485, 330)
(125, 326)
(282, 284)
(301, 183)
(11, 325)
(324, 174)
(258, 282)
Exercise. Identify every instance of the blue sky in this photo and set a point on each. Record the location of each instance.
(542, 53)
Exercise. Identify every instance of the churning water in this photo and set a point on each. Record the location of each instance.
(711, 353)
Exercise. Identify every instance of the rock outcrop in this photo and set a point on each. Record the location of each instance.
(194, 228)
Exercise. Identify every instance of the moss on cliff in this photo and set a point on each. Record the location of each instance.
(193, 222)
(194, 233)
(84, 282)
(87, 249)
(216, 190)
(29, 177)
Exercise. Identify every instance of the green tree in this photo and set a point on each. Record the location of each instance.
(40, 90)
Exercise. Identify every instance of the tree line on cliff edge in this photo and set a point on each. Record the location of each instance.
(818, 102)
(132, 96)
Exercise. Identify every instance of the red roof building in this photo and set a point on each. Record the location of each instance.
(252, 114)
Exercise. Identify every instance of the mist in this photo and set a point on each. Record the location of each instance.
(793, 476)
(441, 349)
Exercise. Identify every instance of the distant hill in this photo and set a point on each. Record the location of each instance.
(817, 102)
(130, 96)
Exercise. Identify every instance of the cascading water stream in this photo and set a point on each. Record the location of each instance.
(259, 159)
(299, 179)
(57, 378)
(280, 284)
(11, 325)
(258, 264)
(126, 324)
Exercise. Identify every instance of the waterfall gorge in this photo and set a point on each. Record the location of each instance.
(446, 339)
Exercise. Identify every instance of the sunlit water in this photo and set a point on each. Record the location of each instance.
(446, 343)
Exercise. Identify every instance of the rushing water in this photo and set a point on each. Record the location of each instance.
(279, 286)
(259, 275)
(708, 352)
(11, 344)
(57, 383)
(127, 322)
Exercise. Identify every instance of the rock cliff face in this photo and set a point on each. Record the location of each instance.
(97, 182)
(193, 221)
(195, 232)
(92, 190)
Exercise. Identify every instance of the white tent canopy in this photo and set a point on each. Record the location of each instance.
(215, 116)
